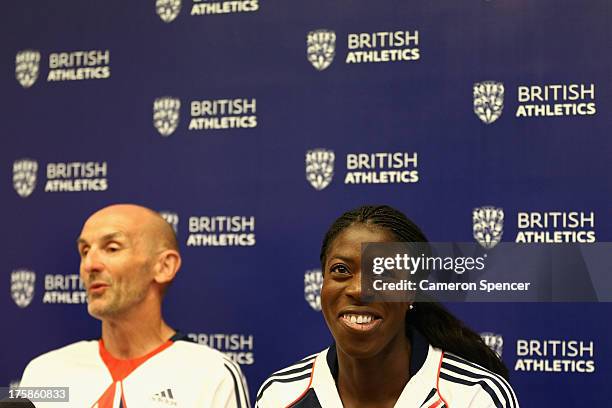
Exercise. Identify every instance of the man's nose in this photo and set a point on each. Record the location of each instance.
(91, 262)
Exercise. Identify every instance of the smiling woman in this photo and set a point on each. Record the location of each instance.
(386, 354)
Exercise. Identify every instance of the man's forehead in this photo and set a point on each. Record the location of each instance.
(107, 223)
(93, 232)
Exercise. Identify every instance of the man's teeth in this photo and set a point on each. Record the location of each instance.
(359, 319)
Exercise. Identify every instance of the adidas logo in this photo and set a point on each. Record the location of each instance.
(165, 397)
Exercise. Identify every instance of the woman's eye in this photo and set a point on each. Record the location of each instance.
(341, 269)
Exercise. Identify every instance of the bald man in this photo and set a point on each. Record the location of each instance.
(129, 256)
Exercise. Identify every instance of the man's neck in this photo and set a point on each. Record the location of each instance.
(132, 336)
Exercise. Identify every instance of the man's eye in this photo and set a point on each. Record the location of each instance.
(84, 252)
(112, 248)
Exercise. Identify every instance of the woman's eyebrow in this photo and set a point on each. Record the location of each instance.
(341, 257)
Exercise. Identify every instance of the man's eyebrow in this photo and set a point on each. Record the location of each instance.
(107, 237)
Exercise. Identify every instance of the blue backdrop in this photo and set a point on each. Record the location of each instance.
(471, 144)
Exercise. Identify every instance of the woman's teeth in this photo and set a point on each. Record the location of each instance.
(358, 318)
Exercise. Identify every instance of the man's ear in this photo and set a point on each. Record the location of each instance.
(169, 262)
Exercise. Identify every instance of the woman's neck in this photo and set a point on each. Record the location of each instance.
(375, 381)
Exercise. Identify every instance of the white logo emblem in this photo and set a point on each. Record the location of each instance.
(321, 48)
(313, 280)
(22, 287)
(167, 10)
(26, 67)
(166, 114)
(171, 218)
(494, 341)
(24, 176)
(488, 226)
(319, 167)
(488, 100)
